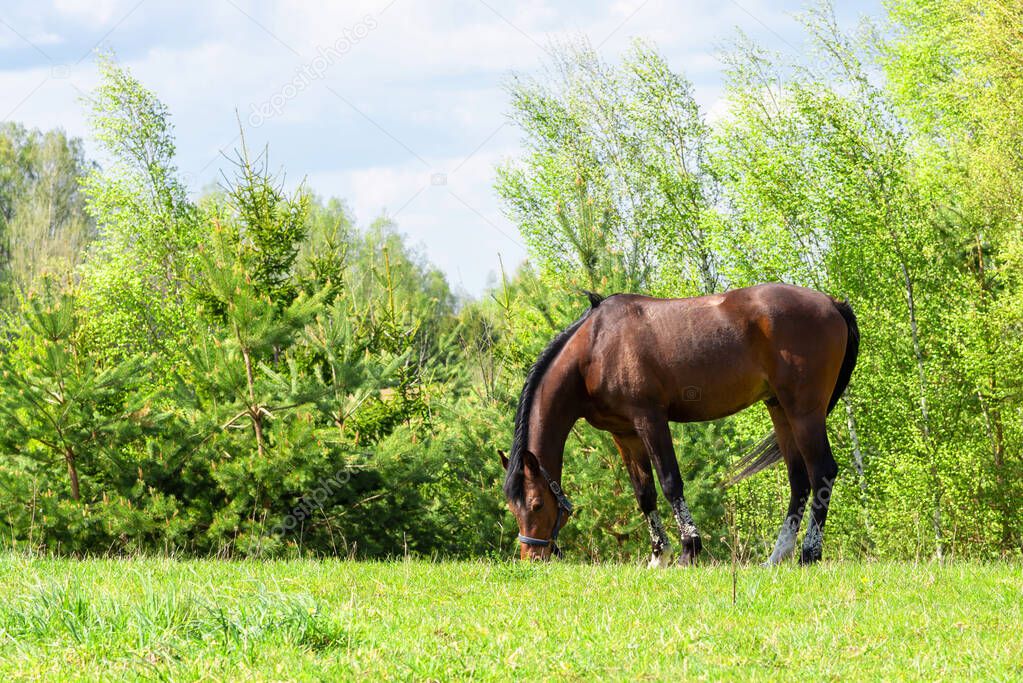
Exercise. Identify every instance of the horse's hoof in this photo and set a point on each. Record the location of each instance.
(809, 557)
(659, 561)
(691, 548)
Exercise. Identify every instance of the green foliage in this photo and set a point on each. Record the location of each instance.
(136, 276)
(43, 224)
(612, 190)
(71, 421)
(272, 230)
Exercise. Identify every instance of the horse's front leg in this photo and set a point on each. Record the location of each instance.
(637, 464)
(656, 437)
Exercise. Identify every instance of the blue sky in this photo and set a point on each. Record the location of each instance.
(393, 105)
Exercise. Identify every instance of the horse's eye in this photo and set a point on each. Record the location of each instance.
(535, 504)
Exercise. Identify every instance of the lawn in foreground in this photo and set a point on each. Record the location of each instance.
(303, 620)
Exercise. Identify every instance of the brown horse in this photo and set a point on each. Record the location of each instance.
(632, 364)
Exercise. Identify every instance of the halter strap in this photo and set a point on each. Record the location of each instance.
(564, 509)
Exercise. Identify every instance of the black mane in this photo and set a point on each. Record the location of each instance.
(515, 479)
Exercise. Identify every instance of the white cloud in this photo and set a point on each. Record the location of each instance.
(9, 39)
(426, 76)
(92, 12)
(446, 205)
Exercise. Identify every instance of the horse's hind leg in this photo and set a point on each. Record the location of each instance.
(799, 486)
(811, 437)
(637, 464)
(656, 437)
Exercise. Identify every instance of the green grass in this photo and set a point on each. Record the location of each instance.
(307, 620)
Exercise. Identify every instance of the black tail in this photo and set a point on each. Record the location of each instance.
(767, 452)
(852, 351)
(758, 458)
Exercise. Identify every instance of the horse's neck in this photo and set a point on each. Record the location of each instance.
(556, 407)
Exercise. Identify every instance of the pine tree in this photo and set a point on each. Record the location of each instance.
(257, 311)
(244, 367)
(58, 402)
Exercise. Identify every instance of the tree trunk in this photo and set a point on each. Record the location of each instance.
(858, 461)
(254, 411)
(257, 428)
(72, 471)
(939, 541)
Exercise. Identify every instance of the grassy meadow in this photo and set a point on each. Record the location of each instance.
(166, 619)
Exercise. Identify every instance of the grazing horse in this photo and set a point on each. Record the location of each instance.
(632, 364)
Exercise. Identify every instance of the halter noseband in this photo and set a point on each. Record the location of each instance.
(564, 509)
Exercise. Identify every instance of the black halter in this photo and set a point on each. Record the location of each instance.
(564, 510)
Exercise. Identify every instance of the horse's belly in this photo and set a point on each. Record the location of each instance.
(712, 380)
(696, 403)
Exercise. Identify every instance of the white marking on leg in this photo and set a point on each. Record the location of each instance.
(786, 541)
(659, 561)
(686, 525)
(661, 554)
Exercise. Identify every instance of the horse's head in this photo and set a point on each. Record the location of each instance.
(541, 512)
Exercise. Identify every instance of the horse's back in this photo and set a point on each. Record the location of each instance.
(717, 320)
(705, 357)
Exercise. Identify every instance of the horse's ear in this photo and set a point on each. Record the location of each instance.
(530, 461)
(504, 459)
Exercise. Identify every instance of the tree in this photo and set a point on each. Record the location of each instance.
(60, 401)
(954, 70)
(136, 275)
(613, 191)
(43, 224)
(251, 300)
